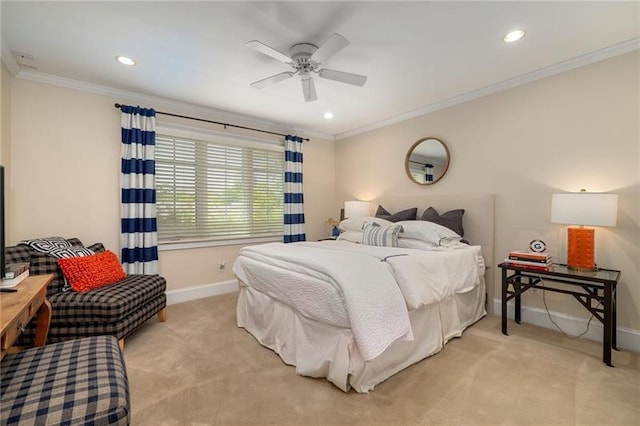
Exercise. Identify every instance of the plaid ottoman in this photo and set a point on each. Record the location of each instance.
(81, 381)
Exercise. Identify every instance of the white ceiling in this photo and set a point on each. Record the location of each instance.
(417, 55)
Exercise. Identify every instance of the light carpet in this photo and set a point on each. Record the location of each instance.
(199, 368)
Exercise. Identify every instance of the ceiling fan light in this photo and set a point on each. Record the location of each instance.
(125, 60)
(513, 36)
(328, 115)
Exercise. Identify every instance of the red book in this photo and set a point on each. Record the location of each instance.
(529, 266)
(518, 258)
(528, 255)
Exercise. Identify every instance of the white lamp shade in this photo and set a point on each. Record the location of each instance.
(584, 208)
(356, 209)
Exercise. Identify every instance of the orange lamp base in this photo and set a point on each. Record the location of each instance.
(580, 253)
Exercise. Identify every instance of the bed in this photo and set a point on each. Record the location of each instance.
(356, 314)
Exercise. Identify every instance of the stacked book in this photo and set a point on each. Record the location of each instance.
(530, 260)
(14, 274)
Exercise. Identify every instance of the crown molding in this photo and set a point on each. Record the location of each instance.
(577, 62)
(251, 121)
(156, 102)
(9, 60)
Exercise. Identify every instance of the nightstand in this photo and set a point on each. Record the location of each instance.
(595, 290)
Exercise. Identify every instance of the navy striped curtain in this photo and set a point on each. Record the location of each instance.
(293, 197)
(428, 177)
(139, 230)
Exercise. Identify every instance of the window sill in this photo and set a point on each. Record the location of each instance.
(183, 245)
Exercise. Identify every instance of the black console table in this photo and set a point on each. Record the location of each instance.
(595, 290)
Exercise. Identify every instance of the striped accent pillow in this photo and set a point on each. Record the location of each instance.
(383, 236)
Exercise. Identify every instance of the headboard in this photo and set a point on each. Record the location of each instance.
(478, 219)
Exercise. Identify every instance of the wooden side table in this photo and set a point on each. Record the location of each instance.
(17, 309)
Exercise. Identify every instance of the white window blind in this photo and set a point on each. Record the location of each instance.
(217, 190)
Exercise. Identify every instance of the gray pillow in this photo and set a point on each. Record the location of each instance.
(408, 214)
(451, 219)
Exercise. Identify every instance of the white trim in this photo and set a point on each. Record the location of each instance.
(249, 121)
(9, 60)
(182, 245)
(578, 61)
(201, 291)
(628, 338)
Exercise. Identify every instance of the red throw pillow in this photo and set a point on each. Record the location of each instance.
(89, 272)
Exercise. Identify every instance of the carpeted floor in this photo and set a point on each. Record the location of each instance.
(199, 368)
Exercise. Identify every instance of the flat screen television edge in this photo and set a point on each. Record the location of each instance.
(2, 233)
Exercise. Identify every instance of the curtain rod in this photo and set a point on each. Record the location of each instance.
(217, 122)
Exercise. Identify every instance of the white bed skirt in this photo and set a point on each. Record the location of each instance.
(320, 350)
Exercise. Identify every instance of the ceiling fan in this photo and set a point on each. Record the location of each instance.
(305, 58)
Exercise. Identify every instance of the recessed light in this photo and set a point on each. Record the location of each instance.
(125, 60)
(513, 36)
(328, 115)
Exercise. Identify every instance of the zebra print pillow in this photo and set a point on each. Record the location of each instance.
(57, 247)
(382, 236)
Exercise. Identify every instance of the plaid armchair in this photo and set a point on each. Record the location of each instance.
(116, 309)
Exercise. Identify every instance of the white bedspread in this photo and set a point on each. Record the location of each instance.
(425, 277)
(365, 288)
(375, 306)
(438, 274)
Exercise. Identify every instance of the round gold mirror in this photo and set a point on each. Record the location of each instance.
(427, 161)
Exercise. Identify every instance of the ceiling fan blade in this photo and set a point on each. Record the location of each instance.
(343, 77)
(333, 45)
(261, 84)
(269, 51)
(308, 89)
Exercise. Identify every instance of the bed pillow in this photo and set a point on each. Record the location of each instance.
(353, 236)
(413, 243)
(451, 219)
(408, 214)
(357, 223)
(90, 272)
(432, 234)
(427, 231)
(382, 236)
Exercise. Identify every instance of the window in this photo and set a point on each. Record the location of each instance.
(212, 189)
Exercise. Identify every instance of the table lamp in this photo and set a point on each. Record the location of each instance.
(354, 209)
(583, 208)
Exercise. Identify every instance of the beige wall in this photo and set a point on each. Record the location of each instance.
(574, 130)
(5, 142)
(65, 156)
(5, 113)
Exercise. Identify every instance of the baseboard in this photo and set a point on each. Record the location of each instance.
(628, 339)
(201, 291)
